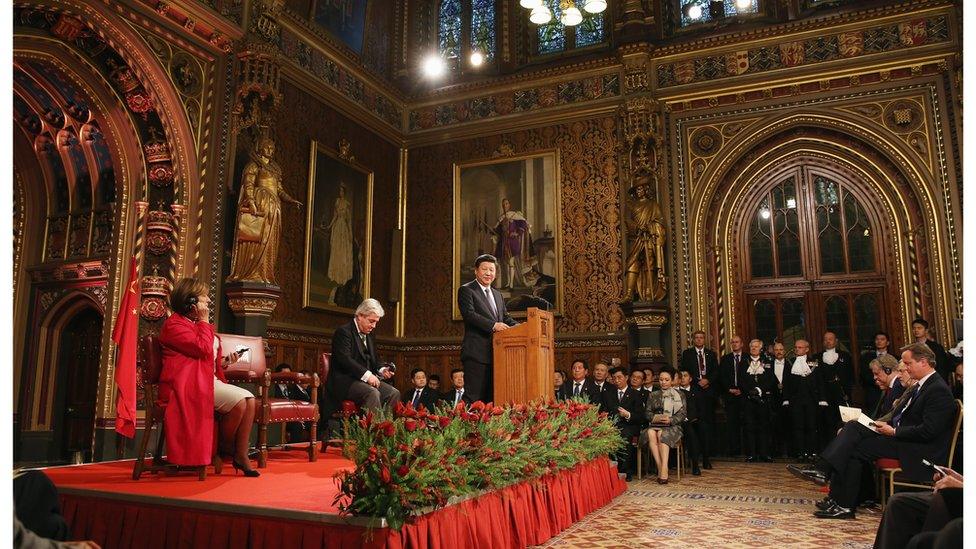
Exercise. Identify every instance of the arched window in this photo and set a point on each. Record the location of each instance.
(693, 12)
(554, 37)
(463, 28)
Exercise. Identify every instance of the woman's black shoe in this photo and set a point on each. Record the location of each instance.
(247, 471)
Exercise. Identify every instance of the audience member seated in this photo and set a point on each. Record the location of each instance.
(920, 330)
(637, 383)
(871, 392)
(456, 395)
(37, 506)
(580, 386)
(624, 408)
(434, 383)
(920, 428)
(919, 519)
(420, 395)
(297, 430)
(356, 373)
(956, 380)
(192, 385)
(665, 412)
(601, 373)
(689, 428)
(649, 379)
(758, 387)
(884, 371)
(801, 393)
(559, 379)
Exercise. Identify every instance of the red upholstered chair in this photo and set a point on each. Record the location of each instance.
(152, 367)
(888, 469)
(271, 410)
(346, 407)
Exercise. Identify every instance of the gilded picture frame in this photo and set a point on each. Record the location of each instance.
(511, 207)
(338, 231)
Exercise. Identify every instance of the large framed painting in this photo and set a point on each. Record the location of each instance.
(510, 208)
(345, 19)
(338, 231)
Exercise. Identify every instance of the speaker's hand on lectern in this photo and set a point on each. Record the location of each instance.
(499, 326)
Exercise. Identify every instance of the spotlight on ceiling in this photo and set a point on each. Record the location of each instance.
(693, 11)
(743, 5)
(434, 66)
(530, 4)
(595, 6)
(476, 58)
(540, 15)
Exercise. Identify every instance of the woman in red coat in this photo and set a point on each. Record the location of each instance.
(192, 386)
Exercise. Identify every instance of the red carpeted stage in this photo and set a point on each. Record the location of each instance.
(290, 505)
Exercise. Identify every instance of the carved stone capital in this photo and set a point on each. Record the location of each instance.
(252, 303)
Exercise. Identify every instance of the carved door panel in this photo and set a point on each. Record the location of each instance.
(80, 351)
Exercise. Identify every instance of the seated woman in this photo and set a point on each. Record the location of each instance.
(666, 411)
(193, 386)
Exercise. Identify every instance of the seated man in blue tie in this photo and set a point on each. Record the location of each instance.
(921, 428)
(421, 394)
(457, 394)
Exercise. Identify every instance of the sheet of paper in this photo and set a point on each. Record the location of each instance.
(848, 413)
(866, 421)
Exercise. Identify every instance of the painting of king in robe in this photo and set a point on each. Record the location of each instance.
(338, 231)
(509, 207)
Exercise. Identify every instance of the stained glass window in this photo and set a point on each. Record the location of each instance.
(552, 35)
(730, 6)
(449, 28)
(590, 31)
(483, 27)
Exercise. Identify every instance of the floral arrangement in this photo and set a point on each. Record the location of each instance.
(409, 460)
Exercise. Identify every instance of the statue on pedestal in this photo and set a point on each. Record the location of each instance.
(646, 280)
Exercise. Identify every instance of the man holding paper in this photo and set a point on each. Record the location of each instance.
(920, 428)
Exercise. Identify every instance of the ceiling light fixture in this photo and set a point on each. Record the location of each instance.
(595, 6)
(540, 15)
(434, 66)
(530, 4)
(571, 15)
(743, 5)
(693, 11)
(476, 58)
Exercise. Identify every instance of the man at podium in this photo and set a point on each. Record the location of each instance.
(483, 311)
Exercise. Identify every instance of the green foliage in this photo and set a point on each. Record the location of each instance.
(408, 461)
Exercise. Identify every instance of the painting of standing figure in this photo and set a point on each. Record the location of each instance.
(509, 207)
(338, 231)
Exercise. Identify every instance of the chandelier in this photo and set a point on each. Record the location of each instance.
(569, 14)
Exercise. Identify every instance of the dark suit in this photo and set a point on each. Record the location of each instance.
(560, 393)
(691, 427)
(731, 372)
(628, 428)
(803, 394)
(428, 398)
(477, 352)
(834, 391)
(588, 390)
(872, 394)
(923, 432)
(941, 358)
(779, 415)
(758, 392)
(600, 391)
(449, 397)
(350, 361)
(706, 411)
(292, 391)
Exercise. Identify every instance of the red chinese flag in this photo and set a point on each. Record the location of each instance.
(125, 336)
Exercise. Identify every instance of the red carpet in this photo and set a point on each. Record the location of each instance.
(290, 505)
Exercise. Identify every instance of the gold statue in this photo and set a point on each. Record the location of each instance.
(259, 217)
(646, 280)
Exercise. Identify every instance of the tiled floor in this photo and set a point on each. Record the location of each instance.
(733, 505)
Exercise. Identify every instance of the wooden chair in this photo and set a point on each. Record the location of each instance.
(887, 468)
(346, 407)
(679, 452)
(152, 367)
(253, 369)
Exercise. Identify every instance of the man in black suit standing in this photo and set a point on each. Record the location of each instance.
(421, 394)
(580, 385)
(483, 311)
(920, 428)
(624, 408)
(356, 373)
(457, 393)
(730, 372)
(920, 330)
(836, 372)
(871, 392)
(702, 364)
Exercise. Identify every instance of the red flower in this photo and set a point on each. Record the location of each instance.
(385, 474)
(444, 421)
(497, 411)
(410, 425)
(398, 408)
(586, 432)
(372, 453)
(386, 428)
(478, 406)
(403, 470)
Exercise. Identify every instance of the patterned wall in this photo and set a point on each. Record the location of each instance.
(304, 119)
(590, 214)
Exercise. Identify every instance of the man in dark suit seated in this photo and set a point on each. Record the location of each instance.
(690, 426)
(871, 392)
(920, 428)
(356, 372)
(637, 384)
(625, 409)
(581, 386)
(918, 518)
(559, 379)
(601, 378)
(483, 311)
(434, 382)
(297, 431)
(420, 394)
(702, 364)
(457, 393)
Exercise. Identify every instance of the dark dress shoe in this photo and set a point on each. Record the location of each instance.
(834, 512)
(696, 471)
(706, 464)
(825, 503)
(751, 459)
(630, 477)
(766, 459)
(815, 476)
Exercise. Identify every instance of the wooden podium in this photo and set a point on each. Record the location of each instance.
(525, 359)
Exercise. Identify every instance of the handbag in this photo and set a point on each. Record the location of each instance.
(661, 419)
(250, 227)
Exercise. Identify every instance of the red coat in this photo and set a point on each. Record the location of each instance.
(186, 389)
